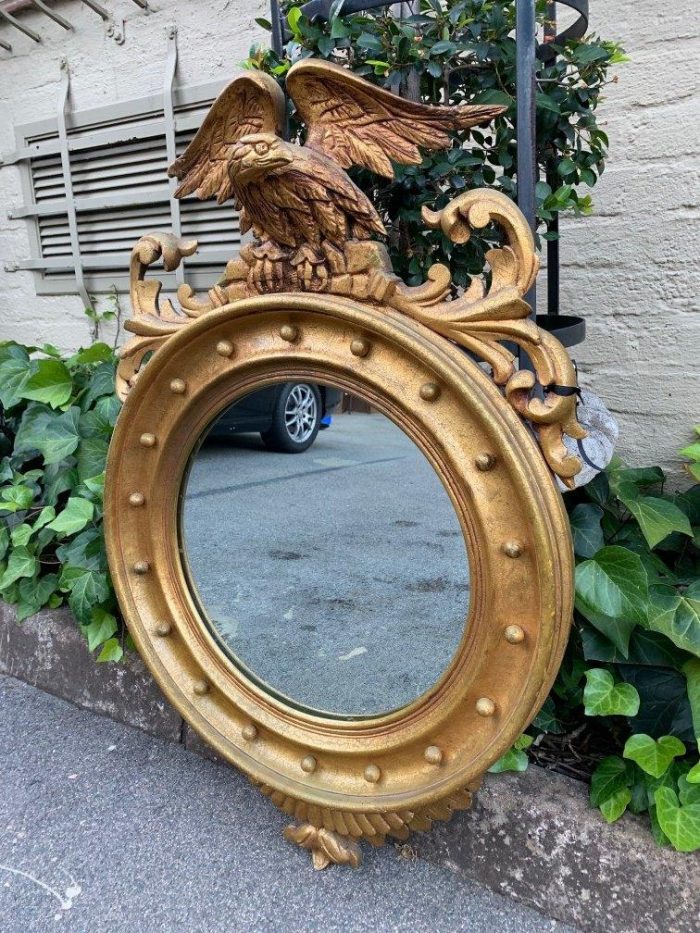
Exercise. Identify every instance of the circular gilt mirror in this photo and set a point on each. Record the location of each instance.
(324, 551)
(343, 557)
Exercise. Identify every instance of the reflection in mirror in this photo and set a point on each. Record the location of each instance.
(324, 551)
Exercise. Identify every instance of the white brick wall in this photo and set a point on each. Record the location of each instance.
(632, 270)
(213, 38)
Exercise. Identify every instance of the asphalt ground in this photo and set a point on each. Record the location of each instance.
(339, 576)
(104, 829)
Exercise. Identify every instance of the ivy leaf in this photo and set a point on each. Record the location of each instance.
(691, 669)
(586, 529)
(603, 697)
(54, 436)
(21, 534)
(664, 706)
(14, 375)
(693, 776)
(111, 651)
(645, 648)
(15, 498)
(609, 777)
(35, 594)
(21, 564)
(100, 629)
(676, 615)
(658, 518)
(612, 592)
(96, 353)
(546, 720)
(91, 457)
(86, 589)
(4, 540)
(85, 550)
(74, 517)
(101, 383)
(614, 806)
(47, 514)
(515, 758)
(51, 383)
(688, 791)
(680, 823)
(652, 756)
(499, 98)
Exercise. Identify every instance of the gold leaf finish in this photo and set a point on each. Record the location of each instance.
(326, 846)
(313, 297)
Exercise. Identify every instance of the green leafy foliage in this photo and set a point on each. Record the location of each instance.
(463, 51)
(653, 756)
(515, 758)
(630, 681)
(58, 415)
(692, 453)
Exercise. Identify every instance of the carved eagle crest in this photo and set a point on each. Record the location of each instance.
(300, 197)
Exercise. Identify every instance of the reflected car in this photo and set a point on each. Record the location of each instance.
(288, 416)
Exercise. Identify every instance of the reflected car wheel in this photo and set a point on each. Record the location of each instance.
(296, 419)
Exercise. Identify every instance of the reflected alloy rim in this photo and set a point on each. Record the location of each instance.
(301, 413)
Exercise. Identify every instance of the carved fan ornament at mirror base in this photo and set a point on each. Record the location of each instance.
(480, 320)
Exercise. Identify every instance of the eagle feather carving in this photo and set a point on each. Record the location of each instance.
(300, 197)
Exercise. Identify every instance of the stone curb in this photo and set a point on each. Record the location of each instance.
(529, 836)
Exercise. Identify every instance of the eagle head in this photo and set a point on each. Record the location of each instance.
(256, 155)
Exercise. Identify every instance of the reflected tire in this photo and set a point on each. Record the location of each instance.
(296, 419)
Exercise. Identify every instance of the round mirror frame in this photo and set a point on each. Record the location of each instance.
(385, 775)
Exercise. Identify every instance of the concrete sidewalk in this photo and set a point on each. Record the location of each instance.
(103, 828)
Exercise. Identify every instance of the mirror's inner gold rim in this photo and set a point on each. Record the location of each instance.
(244, 669)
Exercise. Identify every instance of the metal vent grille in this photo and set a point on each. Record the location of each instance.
(120, 190)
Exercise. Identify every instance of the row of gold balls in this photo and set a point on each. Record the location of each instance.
(433, 755)
(485, 462)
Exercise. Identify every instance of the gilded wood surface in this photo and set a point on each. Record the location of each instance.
(314, 297)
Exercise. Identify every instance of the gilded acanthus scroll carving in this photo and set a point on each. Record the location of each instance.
(314, 230)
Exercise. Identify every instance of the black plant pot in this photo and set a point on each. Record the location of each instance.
(567, 328)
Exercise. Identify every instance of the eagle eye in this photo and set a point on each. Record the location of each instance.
(262, 148)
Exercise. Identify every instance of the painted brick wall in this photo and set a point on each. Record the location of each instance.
(633, 270)
(214, 36)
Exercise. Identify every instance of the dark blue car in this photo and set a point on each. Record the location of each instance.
(288, 415)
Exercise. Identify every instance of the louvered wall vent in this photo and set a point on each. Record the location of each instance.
(118, 165)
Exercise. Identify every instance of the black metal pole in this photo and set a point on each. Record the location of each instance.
(550, 33)
(276, 23)
(525, 54)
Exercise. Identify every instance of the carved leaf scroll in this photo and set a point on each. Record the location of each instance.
(483, 320)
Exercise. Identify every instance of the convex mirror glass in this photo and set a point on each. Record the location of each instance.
(323, 550)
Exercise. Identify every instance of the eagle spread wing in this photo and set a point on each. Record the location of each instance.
(299, 194)
(251, 103)
(360, 124)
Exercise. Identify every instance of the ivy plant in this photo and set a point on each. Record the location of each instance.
(57, 419)
(463, 51)
(630, 682)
